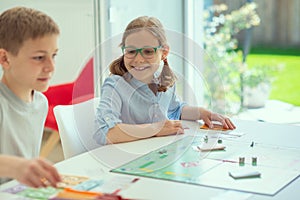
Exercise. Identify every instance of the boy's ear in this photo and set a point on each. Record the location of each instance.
(3, 58)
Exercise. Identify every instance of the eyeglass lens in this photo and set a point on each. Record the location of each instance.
(146, 52)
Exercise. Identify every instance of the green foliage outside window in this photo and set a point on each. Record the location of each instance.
(224, 80)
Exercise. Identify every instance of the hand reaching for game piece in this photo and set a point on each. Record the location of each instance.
(34, 173)
(209, 117)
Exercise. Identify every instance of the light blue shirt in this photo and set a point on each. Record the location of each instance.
(130, 101)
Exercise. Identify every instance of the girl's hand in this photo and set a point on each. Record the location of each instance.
(169, 127)
(208, 117)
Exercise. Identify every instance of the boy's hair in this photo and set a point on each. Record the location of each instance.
(19, 24)
(153, 25)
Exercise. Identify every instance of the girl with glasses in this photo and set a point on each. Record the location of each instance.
(138, 100)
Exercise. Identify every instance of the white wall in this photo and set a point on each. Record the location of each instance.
(169, 12)
(76, 22)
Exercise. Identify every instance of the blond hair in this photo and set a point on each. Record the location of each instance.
(153, 25)
(19, 24)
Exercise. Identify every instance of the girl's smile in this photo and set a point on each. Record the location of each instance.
(140, 68)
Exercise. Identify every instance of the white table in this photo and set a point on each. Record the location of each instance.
(102, 160)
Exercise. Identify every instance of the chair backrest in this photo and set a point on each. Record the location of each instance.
(76, 126)
(84, 84)
(60, 94)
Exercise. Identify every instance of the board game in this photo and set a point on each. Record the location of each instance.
(74, 187)
(185, 161)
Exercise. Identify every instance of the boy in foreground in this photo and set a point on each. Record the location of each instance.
(28, 46)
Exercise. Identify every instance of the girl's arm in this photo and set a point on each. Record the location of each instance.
(132, 132)
(199, 113)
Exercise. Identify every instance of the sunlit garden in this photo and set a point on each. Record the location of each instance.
(250, 75)
(286, 84)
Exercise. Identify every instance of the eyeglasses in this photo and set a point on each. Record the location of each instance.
(146, 52)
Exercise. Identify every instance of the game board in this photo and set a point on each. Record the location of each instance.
(182, 162)
(74, 187)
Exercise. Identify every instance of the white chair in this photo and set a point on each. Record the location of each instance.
(76, 126)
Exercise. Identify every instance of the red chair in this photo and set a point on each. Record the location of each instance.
(80, 90)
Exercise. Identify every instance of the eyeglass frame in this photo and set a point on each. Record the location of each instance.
(139, 50)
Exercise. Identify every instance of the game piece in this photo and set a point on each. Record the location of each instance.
(38, 193)
(206, 139)
(15, 189)
(88, 185)
(69, 193)
(244, 174)
(162, 151)
(210, 147)
(241, 161)
(233, 133)
(220, 141)
(215, 127)
(70, 180)
(254, 161)
(209, 144)
(163, 155)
